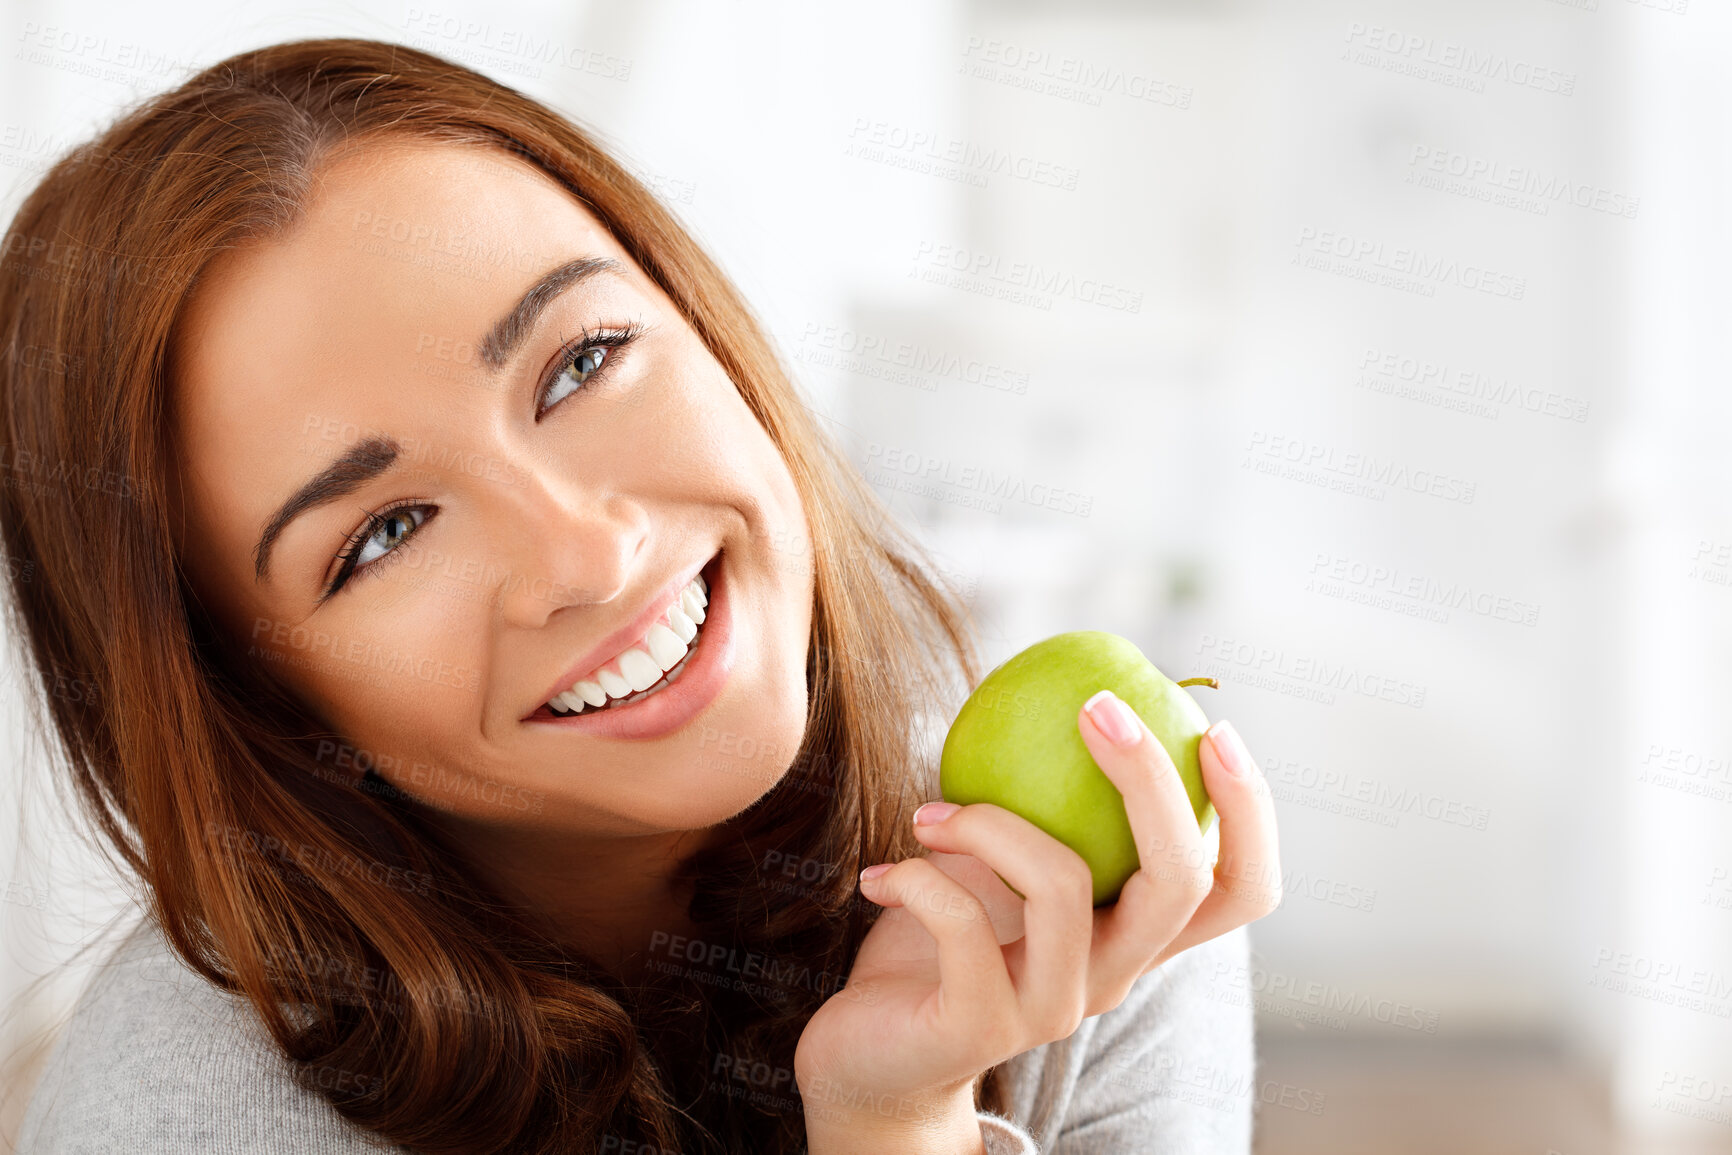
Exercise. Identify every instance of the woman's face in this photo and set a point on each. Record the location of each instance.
(542, 501)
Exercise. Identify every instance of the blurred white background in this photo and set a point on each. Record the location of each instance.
(1370, 356)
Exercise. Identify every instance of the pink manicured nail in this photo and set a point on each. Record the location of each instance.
(1231, 748)
(874, 871)
(933, 813)
(1114, 719)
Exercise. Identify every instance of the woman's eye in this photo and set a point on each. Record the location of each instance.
(592, 358)
(577, 370)
(387, 534)
(391, 532)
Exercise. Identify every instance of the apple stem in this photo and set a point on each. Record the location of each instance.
(1209, 682)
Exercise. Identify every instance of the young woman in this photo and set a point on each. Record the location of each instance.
(498, 682)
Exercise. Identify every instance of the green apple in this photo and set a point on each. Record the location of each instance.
(1015, 744)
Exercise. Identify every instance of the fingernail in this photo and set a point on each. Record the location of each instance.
(874, 871)
(933, 813)
(1231, 748)
(1114, 719)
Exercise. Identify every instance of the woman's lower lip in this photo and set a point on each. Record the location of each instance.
(677, 703)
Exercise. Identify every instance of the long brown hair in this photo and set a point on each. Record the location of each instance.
(472, 1031)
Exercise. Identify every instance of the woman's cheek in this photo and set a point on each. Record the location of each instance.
(422, 678)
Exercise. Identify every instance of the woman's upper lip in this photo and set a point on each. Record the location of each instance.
(615, 643)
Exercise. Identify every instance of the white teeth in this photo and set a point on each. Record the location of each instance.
(644, 666)
(681, 623)
(665, 646)
(616, 686)
(639, 669)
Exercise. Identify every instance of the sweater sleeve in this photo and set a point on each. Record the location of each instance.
(1174, 1073)
(155, 1058)
(1167, 1071)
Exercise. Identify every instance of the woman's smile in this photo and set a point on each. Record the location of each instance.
(660, 699)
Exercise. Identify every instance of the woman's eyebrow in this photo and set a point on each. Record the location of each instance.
(370, 457)
(359, 464)
(508, 332)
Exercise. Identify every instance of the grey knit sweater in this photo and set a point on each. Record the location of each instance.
(156, 1059)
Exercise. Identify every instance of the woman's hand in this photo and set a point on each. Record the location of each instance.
(955, 985)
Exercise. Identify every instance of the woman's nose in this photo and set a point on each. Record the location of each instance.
(562, 545)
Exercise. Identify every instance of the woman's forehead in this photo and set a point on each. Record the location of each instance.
(437, 219)
(443, 199)
(401, 247)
